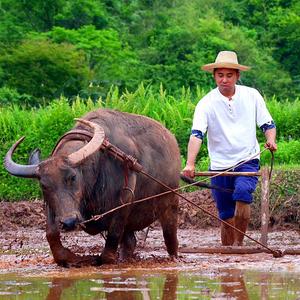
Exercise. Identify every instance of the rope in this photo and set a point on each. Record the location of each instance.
(276, 253)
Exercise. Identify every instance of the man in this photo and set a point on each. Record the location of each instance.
(228, 115)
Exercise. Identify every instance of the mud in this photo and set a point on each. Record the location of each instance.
(24, 248)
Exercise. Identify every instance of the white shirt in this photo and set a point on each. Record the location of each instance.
(231, 125)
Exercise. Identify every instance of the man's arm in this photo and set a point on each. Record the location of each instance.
(270, 135)
(193, 149)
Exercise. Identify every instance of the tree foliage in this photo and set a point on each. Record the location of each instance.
(44, 69)
(88, 45)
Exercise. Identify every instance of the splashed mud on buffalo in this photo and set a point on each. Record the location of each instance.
(82, 179)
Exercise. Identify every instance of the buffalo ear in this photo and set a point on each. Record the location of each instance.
(35, 157)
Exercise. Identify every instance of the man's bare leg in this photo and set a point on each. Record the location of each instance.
(227, 233)
(242, 218)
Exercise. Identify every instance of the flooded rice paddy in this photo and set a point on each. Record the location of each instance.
(27, 269)
(151, 284)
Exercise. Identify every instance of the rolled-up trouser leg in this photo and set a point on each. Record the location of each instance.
(241, 218)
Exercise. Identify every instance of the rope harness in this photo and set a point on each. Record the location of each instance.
(131, 163)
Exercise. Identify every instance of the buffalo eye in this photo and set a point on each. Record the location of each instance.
(44, 187)
(71, 179)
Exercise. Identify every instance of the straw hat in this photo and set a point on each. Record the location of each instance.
(225, 59)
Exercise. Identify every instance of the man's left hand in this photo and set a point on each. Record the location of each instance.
(272, 146)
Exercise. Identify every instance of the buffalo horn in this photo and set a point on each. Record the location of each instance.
(28, 171)
(93, 146)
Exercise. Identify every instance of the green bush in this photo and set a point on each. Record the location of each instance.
(9, 96)
(287, 117)
(44, 70)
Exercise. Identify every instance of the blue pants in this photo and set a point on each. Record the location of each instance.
(242, 186)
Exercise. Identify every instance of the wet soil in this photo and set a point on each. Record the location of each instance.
(24, 248)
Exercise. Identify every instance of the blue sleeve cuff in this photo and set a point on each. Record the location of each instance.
(267, 126)
(198, 134)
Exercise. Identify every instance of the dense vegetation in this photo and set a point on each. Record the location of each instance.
(42, 128)
(62, 58)
(51, 48)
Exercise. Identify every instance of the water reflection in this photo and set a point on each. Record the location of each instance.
(264, 287)
(233, 284)
(141, 286)
(57, 287)
(170, 287)
(113, 287)
(154, 284)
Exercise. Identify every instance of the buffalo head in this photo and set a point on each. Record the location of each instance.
(60, 176)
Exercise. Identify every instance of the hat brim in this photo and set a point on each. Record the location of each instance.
(211, 67)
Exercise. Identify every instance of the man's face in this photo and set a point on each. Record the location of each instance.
(226, 80)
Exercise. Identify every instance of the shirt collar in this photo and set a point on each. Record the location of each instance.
(234, 97)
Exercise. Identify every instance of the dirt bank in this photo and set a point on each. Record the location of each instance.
(23, 245)
(14, 215)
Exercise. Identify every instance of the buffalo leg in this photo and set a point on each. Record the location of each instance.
(116, 230)
(63, 256)
(128, 244)
(109, 254)
(114, 236)
(168, 222)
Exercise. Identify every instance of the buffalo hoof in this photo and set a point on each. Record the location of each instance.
(174, 258)
(80, 261)
(127, 256)
(108, 258)
(127, 259)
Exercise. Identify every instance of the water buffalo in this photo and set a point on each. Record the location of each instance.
(82, 179)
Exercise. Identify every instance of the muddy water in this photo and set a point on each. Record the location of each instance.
(150, 284)
(28, 271)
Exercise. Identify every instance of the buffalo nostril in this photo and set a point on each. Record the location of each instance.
(69, 224)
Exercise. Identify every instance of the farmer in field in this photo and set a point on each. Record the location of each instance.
(228, 115)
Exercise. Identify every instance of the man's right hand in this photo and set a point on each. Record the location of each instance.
(193, 149)
(189, 171)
